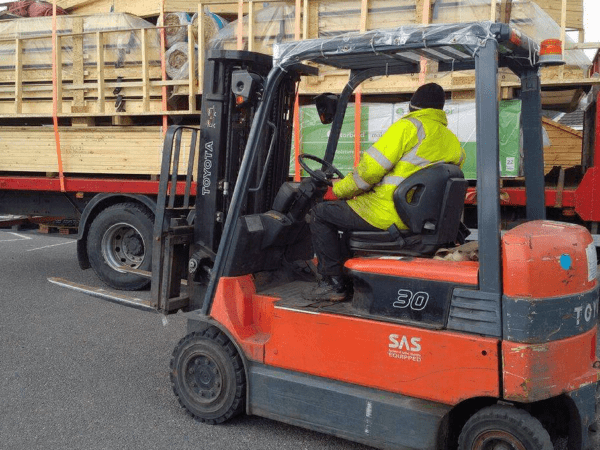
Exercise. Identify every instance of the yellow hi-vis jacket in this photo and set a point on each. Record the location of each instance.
(418, 140)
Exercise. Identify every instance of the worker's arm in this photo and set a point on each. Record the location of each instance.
(378, 160)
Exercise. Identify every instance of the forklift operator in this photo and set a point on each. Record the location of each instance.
(417, 140)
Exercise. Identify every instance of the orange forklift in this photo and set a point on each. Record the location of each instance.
(498, 354)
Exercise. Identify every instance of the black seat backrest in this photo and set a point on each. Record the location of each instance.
(430, 202)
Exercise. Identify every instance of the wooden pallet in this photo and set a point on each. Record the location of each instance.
(49, 228)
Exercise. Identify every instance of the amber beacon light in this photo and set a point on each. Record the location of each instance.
(551, 52)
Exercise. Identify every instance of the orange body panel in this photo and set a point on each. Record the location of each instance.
(463, 272)
(440, 366)
(434, 365)
(535, 372)
(247, 316)
(546, 259)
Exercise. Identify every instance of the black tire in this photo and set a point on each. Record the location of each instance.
(504, 427)
(207, 375)
(121, 235)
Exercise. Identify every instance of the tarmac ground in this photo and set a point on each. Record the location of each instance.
(77, 372)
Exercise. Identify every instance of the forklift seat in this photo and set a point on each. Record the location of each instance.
(430, 202)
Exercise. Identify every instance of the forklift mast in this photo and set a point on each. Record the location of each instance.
(225, 124)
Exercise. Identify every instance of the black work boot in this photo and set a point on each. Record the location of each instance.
(330, 288)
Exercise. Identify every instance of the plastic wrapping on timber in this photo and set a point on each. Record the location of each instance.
(272, 24)
(276, 24)
(178, 61)
(122, 43)
(176, 27)
(212, 23)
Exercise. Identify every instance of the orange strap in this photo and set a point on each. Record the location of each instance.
(61, 174)
(163, 63)
(357, 125)
(297, 170)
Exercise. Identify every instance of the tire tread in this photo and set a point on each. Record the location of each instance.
(518, 418)
(214, 334)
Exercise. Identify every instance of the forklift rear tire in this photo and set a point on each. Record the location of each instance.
(207, 375)
(504, 427)
(121, 235)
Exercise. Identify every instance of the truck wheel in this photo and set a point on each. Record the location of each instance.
(208, 377)
(121, 235)
(504, 428)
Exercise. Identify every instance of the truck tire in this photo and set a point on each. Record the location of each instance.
(121, 235)
(504, 427)
(207, 375)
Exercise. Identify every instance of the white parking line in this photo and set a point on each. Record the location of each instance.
(53, 245)
(20, 237)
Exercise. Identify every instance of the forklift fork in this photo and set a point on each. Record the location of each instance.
(173, 233)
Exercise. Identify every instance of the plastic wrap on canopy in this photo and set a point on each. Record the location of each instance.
(449, 43)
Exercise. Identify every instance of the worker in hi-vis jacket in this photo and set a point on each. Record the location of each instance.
(417, 140)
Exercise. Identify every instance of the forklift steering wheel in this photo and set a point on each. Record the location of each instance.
(319, 175)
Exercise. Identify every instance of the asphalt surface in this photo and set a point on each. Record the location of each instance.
(77, 372)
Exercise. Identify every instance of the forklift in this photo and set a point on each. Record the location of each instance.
(495, 354)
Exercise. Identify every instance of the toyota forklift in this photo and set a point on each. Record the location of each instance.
(494, 354)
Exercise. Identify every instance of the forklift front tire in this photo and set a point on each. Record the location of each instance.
(207, 375)
(500, 427)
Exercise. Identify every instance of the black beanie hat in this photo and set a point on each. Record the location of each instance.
(429, 95)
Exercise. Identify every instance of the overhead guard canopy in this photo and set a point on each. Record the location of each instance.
(399, 50)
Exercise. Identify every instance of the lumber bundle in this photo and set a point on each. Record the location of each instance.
(565, 149)
(86, 150)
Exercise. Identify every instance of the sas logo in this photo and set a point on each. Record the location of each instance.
(404, 347)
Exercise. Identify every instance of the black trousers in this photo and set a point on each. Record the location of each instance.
(327, 219)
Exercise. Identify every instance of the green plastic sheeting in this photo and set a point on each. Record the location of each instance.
(376, 118)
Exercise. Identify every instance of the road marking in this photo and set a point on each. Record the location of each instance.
(53, 245)
(19, 236)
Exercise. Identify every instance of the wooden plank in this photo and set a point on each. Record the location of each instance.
(505, 11)
(42, 109)
(18, 77)
(251, 27)
(100, 104)
(574, 11)
(145, 71)
(201, 48)
(59, 76)
(77, 57)
(192, 67)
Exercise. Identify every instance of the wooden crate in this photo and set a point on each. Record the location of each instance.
(333, 17)
(95, 69)
(88, 150)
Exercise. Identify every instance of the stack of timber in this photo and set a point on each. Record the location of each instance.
(114, 150)
(565, 149)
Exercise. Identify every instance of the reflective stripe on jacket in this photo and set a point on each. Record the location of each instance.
(418, 140)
